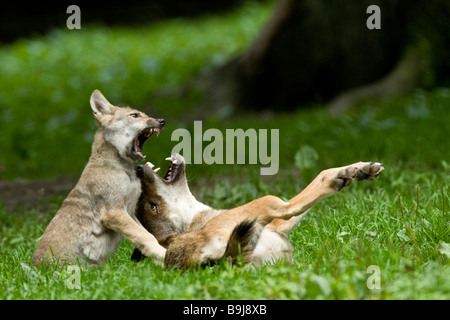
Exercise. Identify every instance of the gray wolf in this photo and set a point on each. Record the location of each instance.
(196, 234)
(99, 211)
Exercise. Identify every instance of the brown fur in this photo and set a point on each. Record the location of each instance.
(199, 234)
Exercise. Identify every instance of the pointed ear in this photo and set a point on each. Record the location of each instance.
(100, 105)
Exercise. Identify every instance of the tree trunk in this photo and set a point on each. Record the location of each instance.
(310, 51)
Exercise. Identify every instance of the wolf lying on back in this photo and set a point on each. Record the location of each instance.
(196, 234)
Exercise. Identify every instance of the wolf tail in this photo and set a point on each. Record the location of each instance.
(243, 240)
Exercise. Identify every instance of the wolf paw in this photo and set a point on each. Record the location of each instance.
(358, 171)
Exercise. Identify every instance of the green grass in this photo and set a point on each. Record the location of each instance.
(398, 222)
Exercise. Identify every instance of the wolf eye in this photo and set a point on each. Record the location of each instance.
(134, 115)
(153, 207)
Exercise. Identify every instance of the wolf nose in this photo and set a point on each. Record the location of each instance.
(161, 121)
(139, 169)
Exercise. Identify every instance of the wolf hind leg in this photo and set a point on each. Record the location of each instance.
(327, 183)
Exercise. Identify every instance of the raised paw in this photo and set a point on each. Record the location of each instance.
(358, 171)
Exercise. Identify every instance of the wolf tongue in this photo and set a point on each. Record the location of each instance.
(137, 149)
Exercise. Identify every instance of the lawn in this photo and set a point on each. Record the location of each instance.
(397, 225)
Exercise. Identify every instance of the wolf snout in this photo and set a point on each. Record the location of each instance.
(177, 158)
(139, 170)
(156, 123)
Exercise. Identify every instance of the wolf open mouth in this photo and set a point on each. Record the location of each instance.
(176, 164)
(139, 141)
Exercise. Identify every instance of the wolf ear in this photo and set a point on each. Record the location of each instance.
(100, 105)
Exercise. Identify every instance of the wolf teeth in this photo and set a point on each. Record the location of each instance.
(151, 165)
(172, 159)
(156, 170)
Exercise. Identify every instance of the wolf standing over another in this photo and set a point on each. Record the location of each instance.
(99, 211)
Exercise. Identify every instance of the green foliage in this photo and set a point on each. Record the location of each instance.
(46, 126)
(306, 160)
(398, 222)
